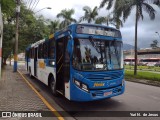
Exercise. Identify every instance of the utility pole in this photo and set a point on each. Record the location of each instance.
(1, 35)
(16, 41)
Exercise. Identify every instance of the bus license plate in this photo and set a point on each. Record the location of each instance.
(107, 93)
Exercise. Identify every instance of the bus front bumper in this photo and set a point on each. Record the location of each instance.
(78, 94)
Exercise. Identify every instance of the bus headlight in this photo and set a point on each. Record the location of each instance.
(81, 85)
(77, 83)
(84, 87)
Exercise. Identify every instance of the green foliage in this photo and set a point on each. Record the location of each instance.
(8, 7)
(31, 29)
(89, 15)
(142, 75)
(144, 68)
(67, 16)
(54, 26)
(7, 40)
(101, 20)
(154, 44)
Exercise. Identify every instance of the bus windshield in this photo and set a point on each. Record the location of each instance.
(96, 55)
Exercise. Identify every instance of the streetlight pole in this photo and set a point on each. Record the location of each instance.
(1, 35)
(16, 41)
(43, 9)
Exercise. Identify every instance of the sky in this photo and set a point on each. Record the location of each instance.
(146, 28)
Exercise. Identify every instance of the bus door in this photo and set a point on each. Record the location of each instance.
(62, 64)
(35, 62)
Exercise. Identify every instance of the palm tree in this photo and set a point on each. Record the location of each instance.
(54, 26)
(90, 15)
(124, 7)
(110, 19)
(67, 16)
(157, 2)
(101, 20)
(116, 21)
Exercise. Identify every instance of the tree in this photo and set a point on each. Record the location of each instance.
(8, 7)
(89, 15)
(67, 16)
(124, 8)
(54, 26)
(31, 29)
(110, 19)
(116, 21)
(101, 20)
(154, 44)
(8, 36)
(157, 2)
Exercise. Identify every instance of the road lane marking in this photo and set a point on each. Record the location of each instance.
(42, 98)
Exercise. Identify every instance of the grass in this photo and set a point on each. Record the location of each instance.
(142, 75)
(147, 68)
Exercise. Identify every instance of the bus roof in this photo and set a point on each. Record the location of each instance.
(69, 27)
(97, 25)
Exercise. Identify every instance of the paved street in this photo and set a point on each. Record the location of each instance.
(137, 97)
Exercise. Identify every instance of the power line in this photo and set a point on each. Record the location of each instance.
(33, 4)
(27, 2)
(36, 5)
(30, 4)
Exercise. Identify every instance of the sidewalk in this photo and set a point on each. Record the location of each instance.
(16, 95)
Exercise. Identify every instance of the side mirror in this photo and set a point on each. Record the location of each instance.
(70, 43)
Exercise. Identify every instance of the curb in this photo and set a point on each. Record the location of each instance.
(49, 106)
(146, 82)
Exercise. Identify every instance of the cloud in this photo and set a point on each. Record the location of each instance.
(146, 28)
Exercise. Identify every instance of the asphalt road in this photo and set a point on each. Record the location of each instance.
(137, 97)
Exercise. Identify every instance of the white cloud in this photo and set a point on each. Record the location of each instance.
(58, 5)
(146, 28)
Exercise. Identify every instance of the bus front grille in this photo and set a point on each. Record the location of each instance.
(109, 76)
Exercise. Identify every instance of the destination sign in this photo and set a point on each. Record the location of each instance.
(94, 30)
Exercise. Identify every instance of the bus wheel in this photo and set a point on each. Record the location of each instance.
(52, 85)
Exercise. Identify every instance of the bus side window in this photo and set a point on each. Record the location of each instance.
(32, 52)
(51, 48)
(40, 51)
(45, 50)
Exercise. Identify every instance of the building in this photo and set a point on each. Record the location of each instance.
(143, 53)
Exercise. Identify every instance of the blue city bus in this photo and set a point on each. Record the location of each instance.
(83, 62)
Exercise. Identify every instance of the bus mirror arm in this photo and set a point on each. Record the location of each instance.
(70, 47)
(70, 43)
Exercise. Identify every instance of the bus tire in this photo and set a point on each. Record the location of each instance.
(52, 85)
